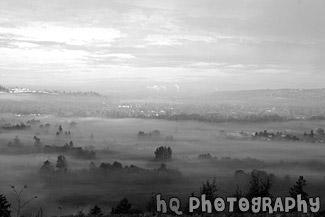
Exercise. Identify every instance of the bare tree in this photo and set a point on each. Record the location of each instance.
(21, 203)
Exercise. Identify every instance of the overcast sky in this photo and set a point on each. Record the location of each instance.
(188, 46)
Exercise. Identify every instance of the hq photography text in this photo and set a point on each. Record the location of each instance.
(232, 204)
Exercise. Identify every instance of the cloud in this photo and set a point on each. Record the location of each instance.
(39, 56)
(158, 88)
(170, 40)
(39, 32)
(189, 43)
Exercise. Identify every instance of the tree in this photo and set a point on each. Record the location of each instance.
(320, 131)
(298, 188)
(117, 165)
(16, 143)
(238, 195)
(92, 166)
(47, 167)
(259, 187)
(4, 207)
(124, 207)
(162, 167)
(210, 189)
(151, 205)
(20, 202)
(163, 153)
(62, 163)
(60, 129)
(37, 142)
(95, 212)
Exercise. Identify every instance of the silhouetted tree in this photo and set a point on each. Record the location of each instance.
(210, 189)
(92, 166)
(124, 207)
(205, 156)
(117, 165)
(238, 194)
(163, 153)
(259, 187)
(16, 143)
(20, 202)
(60, 129)
(47, 167)
(298, 188)
(4, 207)
(95, 212)
(162, 167)
(62, 163)
(151, 205)
(37, 142)
(312, 133)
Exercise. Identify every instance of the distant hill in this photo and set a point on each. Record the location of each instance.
(278, 94)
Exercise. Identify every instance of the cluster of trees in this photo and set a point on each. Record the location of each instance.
(283, 136)
(276, 136)
(32, 121)
(49, 168)
(15, 143)
(314, 137)
(124, 207)
(4, 205)
(205, 156)
(116, 172)
(108, 172)
(16, 146)
(87, 104)
(260, 185)
(60, 131)
(163, 153)
(319, 131)
(20, 126)
(246, 163)
(71, 150)
(152, 134)
(219, 118)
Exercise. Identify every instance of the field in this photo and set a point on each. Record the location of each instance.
(117, 140)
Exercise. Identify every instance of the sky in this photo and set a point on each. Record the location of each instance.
(163, 47)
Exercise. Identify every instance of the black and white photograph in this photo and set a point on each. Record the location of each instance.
(162, 108)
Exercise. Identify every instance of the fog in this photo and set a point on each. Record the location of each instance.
(118, 140)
